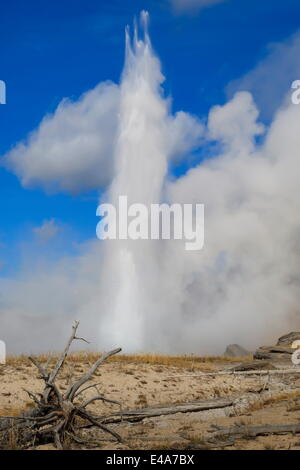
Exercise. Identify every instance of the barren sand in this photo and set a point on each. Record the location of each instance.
(137, 384)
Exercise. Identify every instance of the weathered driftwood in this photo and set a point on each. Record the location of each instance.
(55, 415)
(142, 413)
(234, 372)
(253, 365)
(225, 437)
(239, 432)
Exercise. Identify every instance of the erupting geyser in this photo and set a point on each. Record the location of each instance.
(140, 170)
(154, 295)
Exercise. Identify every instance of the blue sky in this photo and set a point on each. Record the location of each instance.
(53, 50)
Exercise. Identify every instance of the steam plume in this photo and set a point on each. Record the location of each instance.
(242, 287)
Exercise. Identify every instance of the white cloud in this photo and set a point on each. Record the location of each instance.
(46, 231)
(72, 150)
(270, 80)
(39, 306)
(193, 5)
(243, 287)
(185, 133)
(235, 125)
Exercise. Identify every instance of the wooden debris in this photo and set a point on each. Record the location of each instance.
(253, 365)
(55, 415)
(190, 407)
(247, 432)
(233, 372)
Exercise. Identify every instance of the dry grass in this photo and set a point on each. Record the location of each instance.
(16, 361)
(274, 399)
(10, 411)
(198, 440)
(176, 361)
(269, 446)
(190, 361)
(12, 441)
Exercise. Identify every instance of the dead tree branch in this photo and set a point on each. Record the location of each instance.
(55, 414)
(240, 432)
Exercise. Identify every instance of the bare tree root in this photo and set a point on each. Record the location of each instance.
(56, 417)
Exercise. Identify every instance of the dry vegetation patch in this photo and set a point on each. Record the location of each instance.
(149, 380)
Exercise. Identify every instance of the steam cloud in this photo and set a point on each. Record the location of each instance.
(242, 287)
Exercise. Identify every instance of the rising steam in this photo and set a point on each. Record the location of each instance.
(244, 286)
(163, 298)
(140, 170)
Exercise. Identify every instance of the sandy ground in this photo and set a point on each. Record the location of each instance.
(138, 385)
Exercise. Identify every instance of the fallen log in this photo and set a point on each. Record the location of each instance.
(237, 372)
(253, 365)
(190, 407)
(247, 432)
